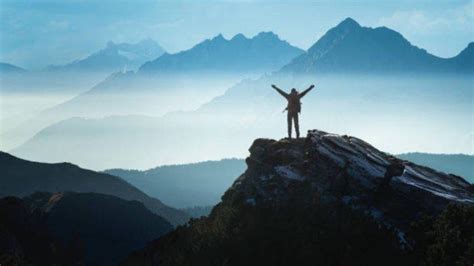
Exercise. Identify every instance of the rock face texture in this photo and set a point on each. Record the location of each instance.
(391, 190)
(323, 200)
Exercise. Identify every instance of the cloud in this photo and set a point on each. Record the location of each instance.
(443, 30)
(425, 22)
(55, 25)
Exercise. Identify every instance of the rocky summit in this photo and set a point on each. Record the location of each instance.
(327, 200)
(389, 189)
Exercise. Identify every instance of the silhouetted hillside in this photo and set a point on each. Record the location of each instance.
(21, 178)
(91, 228)
(26, 240)
(327, 200)
(187, 185)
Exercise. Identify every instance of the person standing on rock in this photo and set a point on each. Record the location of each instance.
(293, 107)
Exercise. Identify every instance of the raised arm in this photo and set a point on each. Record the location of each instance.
(284, 94)
(306, 91)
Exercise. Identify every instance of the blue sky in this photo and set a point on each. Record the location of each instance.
(36, 33)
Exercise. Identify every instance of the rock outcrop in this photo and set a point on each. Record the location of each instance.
(323, 200)
(392, 190)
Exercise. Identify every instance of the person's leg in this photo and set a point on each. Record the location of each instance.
(289, 117)
(297, 126)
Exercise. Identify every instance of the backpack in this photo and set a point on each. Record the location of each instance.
(294, 104)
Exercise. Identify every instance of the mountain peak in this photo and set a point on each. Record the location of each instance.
(266, 35)
(239, 36)
(218, 37)
(363, 162)
(147, 42)
(351, 48)
(309, 194)
(348, 23)
(469, 49)
(110, 44)
(115, 56)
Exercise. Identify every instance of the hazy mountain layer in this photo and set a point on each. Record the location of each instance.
(184, 186)
(396, 113)
(27, 93)
(394, 110)
(84, 73)
(115, 57)
(6, 68)
(173, 82)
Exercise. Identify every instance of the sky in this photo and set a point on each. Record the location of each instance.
(37, 33)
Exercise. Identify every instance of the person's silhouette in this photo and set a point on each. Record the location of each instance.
(293, 107)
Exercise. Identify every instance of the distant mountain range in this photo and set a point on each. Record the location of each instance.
(263, 53)
(67, 228)
(181, 81)
(348, 47)
(187, 185)
(251, 102)
(6, 68)
(115, 57)
(21, 178)
(82, 74)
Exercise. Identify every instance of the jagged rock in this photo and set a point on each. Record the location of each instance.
(323, 158)
(326, 200)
